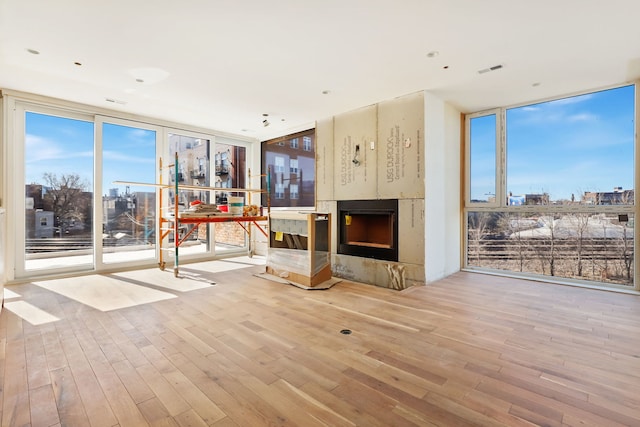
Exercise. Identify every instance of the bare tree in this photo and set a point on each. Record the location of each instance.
(627, 242)
(478, 230)
(627, 250)
(512, 224)
(65, 197)
(545, 246)
(582, 226)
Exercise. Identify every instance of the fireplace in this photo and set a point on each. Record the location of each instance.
(368, 228)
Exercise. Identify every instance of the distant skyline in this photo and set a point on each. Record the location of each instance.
(563, 147)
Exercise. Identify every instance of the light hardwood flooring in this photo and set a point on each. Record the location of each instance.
(468, 350)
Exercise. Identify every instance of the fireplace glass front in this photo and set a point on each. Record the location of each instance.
(368, 228)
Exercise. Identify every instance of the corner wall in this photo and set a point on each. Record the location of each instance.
(442, 243)
(439, 202)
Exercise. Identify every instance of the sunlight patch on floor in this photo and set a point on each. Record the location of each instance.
(104, 293)
(30, 312)
(165, 279)
(222, 265)
(9, 294)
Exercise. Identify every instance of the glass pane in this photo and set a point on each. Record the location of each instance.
(577, 150)
(482, 158)
(59, 192)
(128, 154)
(587, 246)
(193, 169)
(291, 160)
(231, 170)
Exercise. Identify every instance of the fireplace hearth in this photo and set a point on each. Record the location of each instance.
(368, 228)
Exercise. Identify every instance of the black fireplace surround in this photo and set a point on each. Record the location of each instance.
(368, 228)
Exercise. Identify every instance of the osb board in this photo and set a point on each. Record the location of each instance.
(300, 279)
(385, 274)
(311, 281)
(327, 284)
(401, 147)
(354, 154)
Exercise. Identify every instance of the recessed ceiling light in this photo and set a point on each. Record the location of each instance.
(33, 51)
(433, 54)
(149, 75)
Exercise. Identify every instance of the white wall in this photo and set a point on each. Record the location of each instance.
(442, 188)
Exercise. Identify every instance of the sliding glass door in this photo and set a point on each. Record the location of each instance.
(128, 229)
(72, 221)
(190, 170)
(86, 195)
(57, 187)
(231, 172)
(203, 164)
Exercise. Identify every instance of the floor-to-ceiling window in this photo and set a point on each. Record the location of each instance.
(551, 186)
(84, 193)
(56, 185)
(188, 165)
(204, 177)
(231, 172)
(128, 229)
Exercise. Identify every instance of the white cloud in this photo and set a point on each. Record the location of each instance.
(122, 157)
(571, 100)
(582, 117)
(39, 149)
(140, 137)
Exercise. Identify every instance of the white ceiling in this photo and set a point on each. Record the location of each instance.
(222, 64)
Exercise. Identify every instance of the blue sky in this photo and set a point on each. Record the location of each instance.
(562, 147)
(64, 146)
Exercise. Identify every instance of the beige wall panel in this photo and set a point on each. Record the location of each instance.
(355, 161)
(411, 231)
(324, 160)
(401, 147)
(385, 274)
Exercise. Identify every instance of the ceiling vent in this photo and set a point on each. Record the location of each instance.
(116, 101)
(494, 68)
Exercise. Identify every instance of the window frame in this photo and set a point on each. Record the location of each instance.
(13, 106)
(501, 203)
(499, 183)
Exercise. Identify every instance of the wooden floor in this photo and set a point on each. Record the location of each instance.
(469, 350)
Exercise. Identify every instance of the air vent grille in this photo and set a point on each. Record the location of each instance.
(494, 68)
